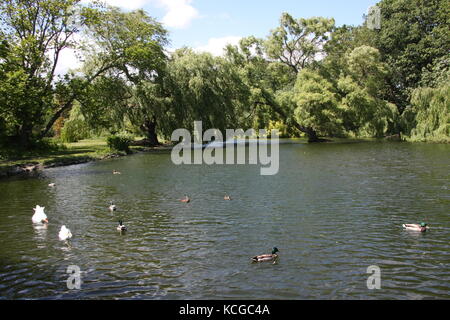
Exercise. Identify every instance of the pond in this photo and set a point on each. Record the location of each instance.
(332, 210)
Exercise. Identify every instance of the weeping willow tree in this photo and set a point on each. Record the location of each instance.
(432, 109)
(205, 88)
(75, 128)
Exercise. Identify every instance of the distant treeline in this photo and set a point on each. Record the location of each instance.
(308, 77)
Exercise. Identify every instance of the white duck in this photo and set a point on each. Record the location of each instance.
(39, 215)
(64, 233)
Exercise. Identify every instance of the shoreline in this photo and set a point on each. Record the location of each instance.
(29, 168)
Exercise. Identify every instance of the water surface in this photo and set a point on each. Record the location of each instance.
(333, 210)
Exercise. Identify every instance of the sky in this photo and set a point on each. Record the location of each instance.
(208, 25)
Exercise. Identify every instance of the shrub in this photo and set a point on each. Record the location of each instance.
(119, 143)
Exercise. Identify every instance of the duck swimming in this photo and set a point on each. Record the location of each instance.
(116, 172)
(422, 227)
(121, 226)
(64, 233)
(267, 257)
(51, 185)
(112, 206)
(39, 215)
(186, 199)
(227, 198)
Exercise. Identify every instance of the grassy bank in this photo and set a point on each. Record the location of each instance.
(86, 149)
(67, 154)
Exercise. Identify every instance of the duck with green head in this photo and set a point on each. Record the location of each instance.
(422, 227)
(267, 257)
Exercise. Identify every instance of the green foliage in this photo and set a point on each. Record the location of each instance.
(104, 103)
(413, 34)
(206, 88)
(76, 127)
(129, 42)
(369, 83)
(316, 104)
(432, 109)
(37, 148)
(119, 143)
(132, 43)
(35, 33)
(263, 81)
(361, 86)
(283, 129)
(437, 74)
(296, 42)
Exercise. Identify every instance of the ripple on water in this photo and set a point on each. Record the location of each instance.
(332, 210)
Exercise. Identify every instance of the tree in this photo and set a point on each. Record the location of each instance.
(75, 128)
(131, 44)
(270, 84)
(206, 88)
(413, 34)
(104, 103)
(298, 42)
(316, 106)
(270, 67)
(37, 32)
(432, 109)
(362, 87)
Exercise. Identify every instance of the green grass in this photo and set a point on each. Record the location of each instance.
(67, 153)
(82, 151)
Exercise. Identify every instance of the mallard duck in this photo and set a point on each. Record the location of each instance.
(39, 215)
(422, 227)
(121, 226)
(64, 233)
(186, 199)
(267, 257)
(116, 172)
(227, 198)
(112, 206)
(51, 185)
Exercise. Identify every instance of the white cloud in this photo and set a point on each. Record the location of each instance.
(179, 14)
(67, 60)
(216, 45)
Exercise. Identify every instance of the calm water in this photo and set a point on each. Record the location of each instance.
(332, 210)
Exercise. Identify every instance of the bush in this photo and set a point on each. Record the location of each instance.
(119, 143)
(76, 127)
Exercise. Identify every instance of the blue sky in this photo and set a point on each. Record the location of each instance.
(209, 25)
(195, 23)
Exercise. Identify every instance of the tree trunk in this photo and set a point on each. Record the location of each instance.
(312, 135)
(24, 137)
(149, 127)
